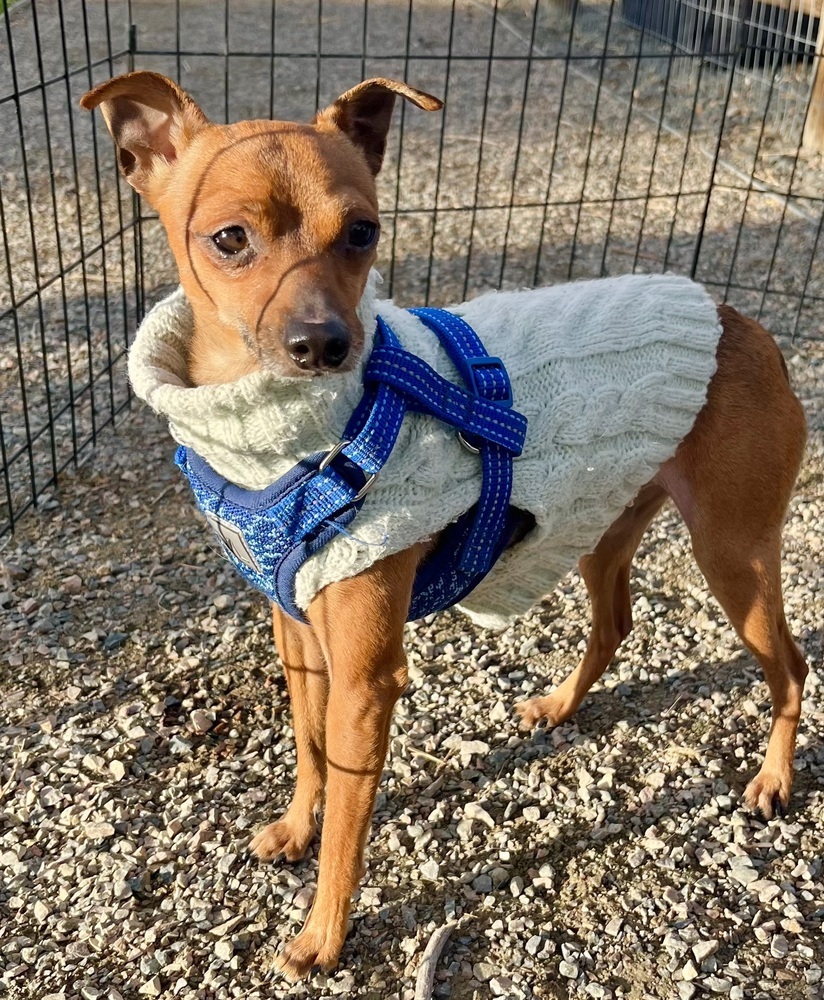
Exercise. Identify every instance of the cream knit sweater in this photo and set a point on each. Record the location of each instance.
(610, 375)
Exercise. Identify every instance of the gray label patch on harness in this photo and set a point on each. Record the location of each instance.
(233, 541)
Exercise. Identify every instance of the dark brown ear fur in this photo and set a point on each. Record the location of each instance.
(151, 121)
(364, 113)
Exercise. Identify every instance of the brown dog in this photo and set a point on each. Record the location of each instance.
(274, 228)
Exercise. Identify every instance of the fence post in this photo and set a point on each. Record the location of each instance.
(813, 140)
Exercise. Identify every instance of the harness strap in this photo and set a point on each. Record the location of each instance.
(488, 379)
(268, 535)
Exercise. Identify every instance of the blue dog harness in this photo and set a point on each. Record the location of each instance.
(269, 534)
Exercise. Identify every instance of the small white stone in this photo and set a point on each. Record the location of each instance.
(483, 971)
(121, 889)
(533, 945)
(98, 831)
(430, 870)
(779, 946)
(472, 748)
(743, 874)
(475, 811)
(717, 984)
(344, 984)
(225, 864)
(117, 769)
(689, 972)
(568, 969)
(673, 945)
(224, 949)
(501, 986)
(703, 949)
(597, 991)
(303, 898)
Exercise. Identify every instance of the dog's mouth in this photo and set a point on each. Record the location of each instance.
(286, 369)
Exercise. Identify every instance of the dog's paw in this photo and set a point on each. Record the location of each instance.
(769, 792)
(317, 946)
(289, 837)
(549, 708)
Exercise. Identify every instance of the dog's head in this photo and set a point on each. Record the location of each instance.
(274, 225)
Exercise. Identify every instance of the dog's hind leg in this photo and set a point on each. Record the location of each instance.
(732, 480)
(306, 676)
(744, 574)
(606, 574)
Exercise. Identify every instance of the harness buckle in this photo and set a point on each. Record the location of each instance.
(473, 364)
(367, 486)
(330, 457)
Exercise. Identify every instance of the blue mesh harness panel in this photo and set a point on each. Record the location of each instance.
(269, 534)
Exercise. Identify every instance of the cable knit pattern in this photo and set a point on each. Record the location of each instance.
(610, 375)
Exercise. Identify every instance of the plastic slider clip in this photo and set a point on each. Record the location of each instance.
(472, 364)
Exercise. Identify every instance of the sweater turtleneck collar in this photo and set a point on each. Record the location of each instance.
(253, 430)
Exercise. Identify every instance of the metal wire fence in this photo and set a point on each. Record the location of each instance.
(576, 141)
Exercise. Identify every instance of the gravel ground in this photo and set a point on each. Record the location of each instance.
(146, 731)
(147, 736)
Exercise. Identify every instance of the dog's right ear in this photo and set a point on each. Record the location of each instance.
(364, 113)
(151, 121)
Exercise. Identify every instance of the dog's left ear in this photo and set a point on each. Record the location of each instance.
(364, 113)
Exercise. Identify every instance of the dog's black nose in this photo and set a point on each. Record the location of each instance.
(317, 346)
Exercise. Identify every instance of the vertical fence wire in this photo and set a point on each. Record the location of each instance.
(481, 150)
(407, 36)
(576, 6)
(75, 174)
(520, 137)
(51, 410)
(35, 255)
(440, 158)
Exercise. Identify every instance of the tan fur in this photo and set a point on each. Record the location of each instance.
(295, 187)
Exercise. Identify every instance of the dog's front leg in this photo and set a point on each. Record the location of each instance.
(306, 677)
(359, 624)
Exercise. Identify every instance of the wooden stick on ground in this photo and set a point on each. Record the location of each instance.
(429, 962)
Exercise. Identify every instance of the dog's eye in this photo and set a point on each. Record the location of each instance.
(362, 234)
(231, 240)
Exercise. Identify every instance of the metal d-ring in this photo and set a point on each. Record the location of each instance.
(367, 486)
(331, 455)
(469, 447)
